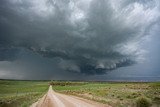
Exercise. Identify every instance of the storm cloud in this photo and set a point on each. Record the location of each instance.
(78, 36)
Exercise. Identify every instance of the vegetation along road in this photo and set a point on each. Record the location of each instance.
(15, 93)
(54, 99)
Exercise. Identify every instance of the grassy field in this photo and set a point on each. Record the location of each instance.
(24, 93)
(114, 94)
(21, 93)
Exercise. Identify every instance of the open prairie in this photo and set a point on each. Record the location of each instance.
(79, 53)
(21, 93)
(115, 94)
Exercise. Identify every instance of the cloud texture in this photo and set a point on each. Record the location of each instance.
(81, 36)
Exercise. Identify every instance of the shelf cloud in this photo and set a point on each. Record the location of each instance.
(80, 36)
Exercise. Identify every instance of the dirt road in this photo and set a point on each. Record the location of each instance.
(53, 99)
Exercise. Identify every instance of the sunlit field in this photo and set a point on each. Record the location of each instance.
(112, 93)
(116, 94)
(21, 93)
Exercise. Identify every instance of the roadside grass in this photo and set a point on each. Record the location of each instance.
(113, 93)
(21, 93)
(116, 94)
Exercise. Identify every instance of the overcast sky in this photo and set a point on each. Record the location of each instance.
(80, 39)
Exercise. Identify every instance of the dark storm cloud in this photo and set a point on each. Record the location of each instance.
(8, 54)
(87, 36)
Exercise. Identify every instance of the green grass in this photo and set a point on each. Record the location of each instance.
(21, 93)
(115, 94)
(24, 93)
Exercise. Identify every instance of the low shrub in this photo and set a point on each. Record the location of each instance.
(143, 102)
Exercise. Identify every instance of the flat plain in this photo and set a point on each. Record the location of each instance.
(21, 93)
(115, 94)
